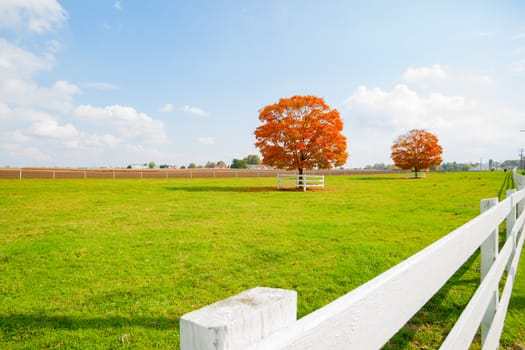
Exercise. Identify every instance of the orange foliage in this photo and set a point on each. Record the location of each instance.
(301, 132)
(417, 150)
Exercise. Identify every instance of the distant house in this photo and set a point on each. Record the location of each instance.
(139, 166)
(259, 167)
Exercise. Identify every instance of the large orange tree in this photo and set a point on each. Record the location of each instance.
(301, 132)
(416, 150)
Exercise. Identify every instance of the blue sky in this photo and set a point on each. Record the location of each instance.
(111, 83)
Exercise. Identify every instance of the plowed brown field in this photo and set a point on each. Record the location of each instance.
(71, 173)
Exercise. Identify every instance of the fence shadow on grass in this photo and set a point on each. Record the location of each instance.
(379, 177)
(17, 322)
(517, 303)
(221, 189)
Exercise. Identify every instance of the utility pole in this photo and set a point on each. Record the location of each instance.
(521, 159)
(522, 166)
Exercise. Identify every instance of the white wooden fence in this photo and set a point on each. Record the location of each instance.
(300, 181)
(367, 317)
(519, 180)
(417, 174)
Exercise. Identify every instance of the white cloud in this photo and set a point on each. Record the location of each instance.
(54, 46)
(468, 129)
(108, 140)
(127, 122)
(38, 16)
(22, 152)
(168, 108)
(36, 119)
(16, 62)
(519, 66)
(100, 86)
(63, 87)
(27, 93)
(434, 72)
(206, 140)
(50, 128)
(111, 140)
(118, 5)
(403, 107)
(17, 67)
(194, 110)
(22, 114)
(486, 34)
(481, 79)
(519, 36)
(4, 111)
(16, 136)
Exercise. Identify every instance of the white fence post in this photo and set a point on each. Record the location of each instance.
(511, 220)
(240, 321)
(489, 248)
(489, 253)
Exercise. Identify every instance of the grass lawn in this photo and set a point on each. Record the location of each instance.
(115, 263)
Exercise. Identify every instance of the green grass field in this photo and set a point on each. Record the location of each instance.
(115, 263)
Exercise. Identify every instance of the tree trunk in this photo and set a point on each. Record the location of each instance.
(301, 183)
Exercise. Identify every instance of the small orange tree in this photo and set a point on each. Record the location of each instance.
(417, 150)
(300, 133)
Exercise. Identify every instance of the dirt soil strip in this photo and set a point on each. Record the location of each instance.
(71, 173)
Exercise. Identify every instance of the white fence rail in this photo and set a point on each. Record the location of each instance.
(519, 180)
(417, 174)
(300, 181)
(367, 317)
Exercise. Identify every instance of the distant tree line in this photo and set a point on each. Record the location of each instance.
(455, 166)
(380, 166)
(251, 159)
(254, 159)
